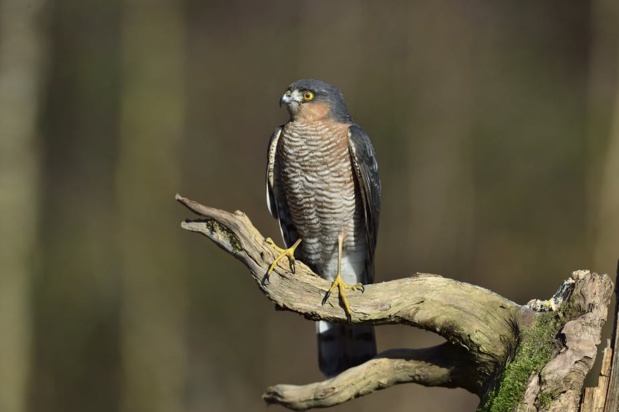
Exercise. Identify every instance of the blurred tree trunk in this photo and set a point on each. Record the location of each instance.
(153, 335)
(604, 179)
(75, 294)
(440, 176)
(22, 53)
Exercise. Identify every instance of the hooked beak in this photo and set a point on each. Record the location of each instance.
(286, 98)
(291, 98)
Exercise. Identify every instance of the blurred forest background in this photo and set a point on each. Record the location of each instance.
(496, 126)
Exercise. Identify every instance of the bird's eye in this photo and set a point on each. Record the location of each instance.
(307, 96)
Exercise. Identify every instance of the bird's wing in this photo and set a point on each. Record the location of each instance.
(366, 175)
(270, 177)
(276, 201)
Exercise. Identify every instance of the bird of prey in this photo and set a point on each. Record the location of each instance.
(323, 188)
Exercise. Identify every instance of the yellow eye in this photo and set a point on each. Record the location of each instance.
(307, 96)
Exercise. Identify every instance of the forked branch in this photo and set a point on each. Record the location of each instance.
(483, 330)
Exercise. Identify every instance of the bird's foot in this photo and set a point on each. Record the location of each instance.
(289, 253)
(341, 286)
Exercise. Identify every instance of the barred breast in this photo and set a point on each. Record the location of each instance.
(316, 176)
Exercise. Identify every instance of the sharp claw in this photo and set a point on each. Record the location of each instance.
(340, 285)
(289, 253)
(326, 298)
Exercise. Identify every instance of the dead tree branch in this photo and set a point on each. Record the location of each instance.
(487, 335)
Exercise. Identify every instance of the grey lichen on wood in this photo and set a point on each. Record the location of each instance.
(486, 334)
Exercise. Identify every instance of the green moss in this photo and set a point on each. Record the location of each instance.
(534, 351)
(210, 225)
(216, 227)
(544, 400)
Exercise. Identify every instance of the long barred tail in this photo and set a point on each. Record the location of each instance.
(343, 346)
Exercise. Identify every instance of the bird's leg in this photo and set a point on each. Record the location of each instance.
(338, 282)
(289, 253)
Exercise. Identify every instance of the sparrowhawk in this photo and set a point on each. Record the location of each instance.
(323, 187)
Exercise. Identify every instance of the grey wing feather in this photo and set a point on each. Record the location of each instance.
(366, 174)
(276, 201)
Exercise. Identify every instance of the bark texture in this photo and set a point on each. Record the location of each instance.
(531, 357)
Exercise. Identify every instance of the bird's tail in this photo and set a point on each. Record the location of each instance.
(343, 346)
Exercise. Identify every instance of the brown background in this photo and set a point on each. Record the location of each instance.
(497, 134)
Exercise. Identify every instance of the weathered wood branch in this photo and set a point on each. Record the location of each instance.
(612, 396)
(529, 357)
(444, 365)
(605, 396)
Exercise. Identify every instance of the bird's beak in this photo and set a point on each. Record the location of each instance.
(286, 98)
(292, 99)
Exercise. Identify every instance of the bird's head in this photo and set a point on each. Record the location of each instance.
(310, 99)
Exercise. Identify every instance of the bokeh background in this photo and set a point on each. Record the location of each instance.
(496, 126)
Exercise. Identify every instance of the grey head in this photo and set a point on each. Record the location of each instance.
(305, 94)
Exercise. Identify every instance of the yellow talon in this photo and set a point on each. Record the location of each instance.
(340, 285)
(289, 253)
